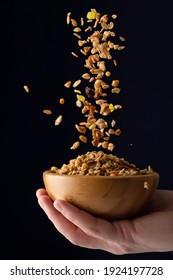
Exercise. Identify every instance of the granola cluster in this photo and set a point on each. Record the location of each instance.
(98, 163)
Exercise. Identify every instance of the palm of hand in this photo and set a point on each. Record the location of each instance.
(151, 232)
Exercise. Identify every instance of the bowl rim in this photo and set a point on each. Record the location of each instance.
(153, 174)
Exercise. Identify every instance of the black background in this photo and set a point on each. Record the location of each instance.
(38, 54)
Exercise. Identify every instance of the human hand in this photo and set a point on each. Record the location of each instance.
(152, 232)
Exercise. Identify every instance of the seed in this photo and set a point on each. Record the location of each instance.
(77, 35)
(115, 90)
(88, 28)
(75, 145)
(114, 16)
(115, 83)
(117, 107)
(26, 88)
(121, 48)
(47, 111)
(74, 22)
(83, 52)
(105, 145)
(83, 138)
(61, 101)
(78, 103)
(77, 83)
(108, 73)
(117, 132)
(86, 76)
(81, 129)
(122, 38)
(82, 21)
(115, 62)
(58, 120)
(68, 84)
(111, 147)
(68, 17)
(113, 123)
(77, 29)
(74, 54)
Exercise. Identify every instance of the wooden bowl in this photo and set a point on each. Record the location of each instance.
(112, 198)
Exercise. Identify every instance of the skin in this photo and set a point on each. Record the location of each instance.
(152, 232)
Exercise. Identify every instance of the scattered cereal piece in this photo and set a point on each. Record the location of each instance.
(74, 54)
(108, 73)
(73, 22)
(83, 138)
(75, 145)
(78, 103)
(47, 112)
(68, 84)
(118, 132)
(82, 21)
(122, 38)
(77, 83)
(113, 123)
(58, 120)
(68, 17)
(115, 83)
(26, 88)
(86, 76)
(121, 48)
(61, 101)
(114, 16)
(117, 107)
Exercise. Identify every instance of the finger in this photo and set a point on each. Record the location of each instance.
(91, 225)
(40, 192)
(74, 234)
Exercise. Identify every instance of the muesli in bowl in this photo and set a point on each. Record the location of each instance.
(103, 185)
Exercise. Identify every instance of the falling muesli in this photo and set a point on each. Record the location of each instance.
(97, 43)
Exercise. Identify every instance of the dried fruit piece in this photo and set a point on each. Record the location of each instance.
(80, 97)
